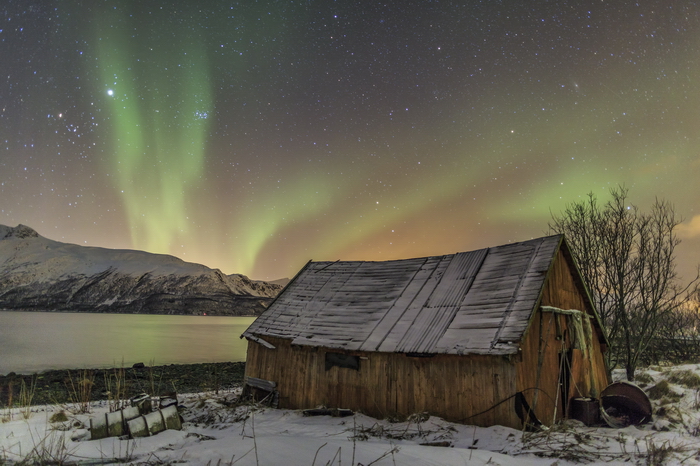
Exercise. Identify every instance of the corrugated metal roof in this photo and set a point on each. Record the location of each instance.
(476, 302)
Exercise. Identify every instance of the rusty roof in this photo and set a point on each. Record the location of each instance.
(476, 302)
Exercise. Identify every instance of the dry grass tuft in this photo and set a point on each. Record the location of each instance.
(26, 394)
(115, 384)
(643, 378)
(660, 390)
(686, 378)
(59, 416)
(80, 390)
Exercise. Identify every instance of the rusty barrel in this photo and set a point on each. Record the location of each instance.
(624, 404)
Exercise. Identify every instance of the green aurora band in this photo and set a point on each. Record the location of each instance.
(159, 107)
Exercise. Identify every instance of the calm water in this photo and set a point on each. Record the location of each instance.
(37, 341)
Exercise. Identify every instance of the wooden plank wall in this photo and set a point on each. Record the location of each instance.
(538, 368)
(542, 345)
(566, 295)
(390, 384)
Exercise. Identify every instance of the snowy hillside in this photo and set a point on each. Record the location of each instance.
(37, 273)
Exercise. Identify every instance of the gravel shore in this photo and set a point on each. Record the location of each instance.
(65, 386)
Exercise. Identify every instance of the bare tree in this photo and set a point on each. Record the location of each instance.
(627, 259)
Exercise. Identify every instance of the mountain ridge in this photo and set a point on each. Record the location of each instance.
(40, 274)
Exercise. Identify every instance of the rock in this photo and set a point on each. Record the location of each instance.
(20, 231)
(139, 365)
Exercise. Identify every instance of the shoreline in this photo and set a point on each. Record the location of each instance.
(75, 385)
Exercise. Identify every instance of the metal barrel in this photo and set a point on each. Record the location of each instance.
(112, 424)
(155, 422)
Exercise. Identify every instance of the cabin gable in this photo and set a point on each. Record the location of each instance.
(551, 356)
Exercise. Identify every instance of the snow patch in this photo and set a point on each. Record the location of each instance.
(219, 430)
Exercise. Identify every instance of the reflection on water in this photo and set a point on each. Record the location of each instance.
(37, 341)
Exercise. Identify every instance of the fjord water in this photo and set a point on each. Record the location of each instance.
(38, 341)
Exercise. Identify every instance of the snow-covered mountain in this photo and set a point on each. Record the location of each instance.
(38, 274)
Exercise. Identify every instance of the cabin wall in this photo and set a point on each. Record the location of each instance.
(538, 368)
(390, 384)
(547, 339)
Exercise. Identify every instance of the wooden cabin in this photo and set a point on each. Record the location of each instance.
(505, 335)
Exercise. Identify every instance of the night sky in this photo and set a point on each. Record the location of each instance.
(254, 136)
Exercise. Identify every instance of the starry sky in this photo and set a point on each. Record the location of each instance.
(254, 136)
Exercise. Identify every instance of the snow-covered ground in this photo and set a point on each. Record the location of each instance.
(219, 431)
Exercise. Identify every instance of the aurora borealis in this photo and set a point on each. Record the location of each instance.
(254, 136)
